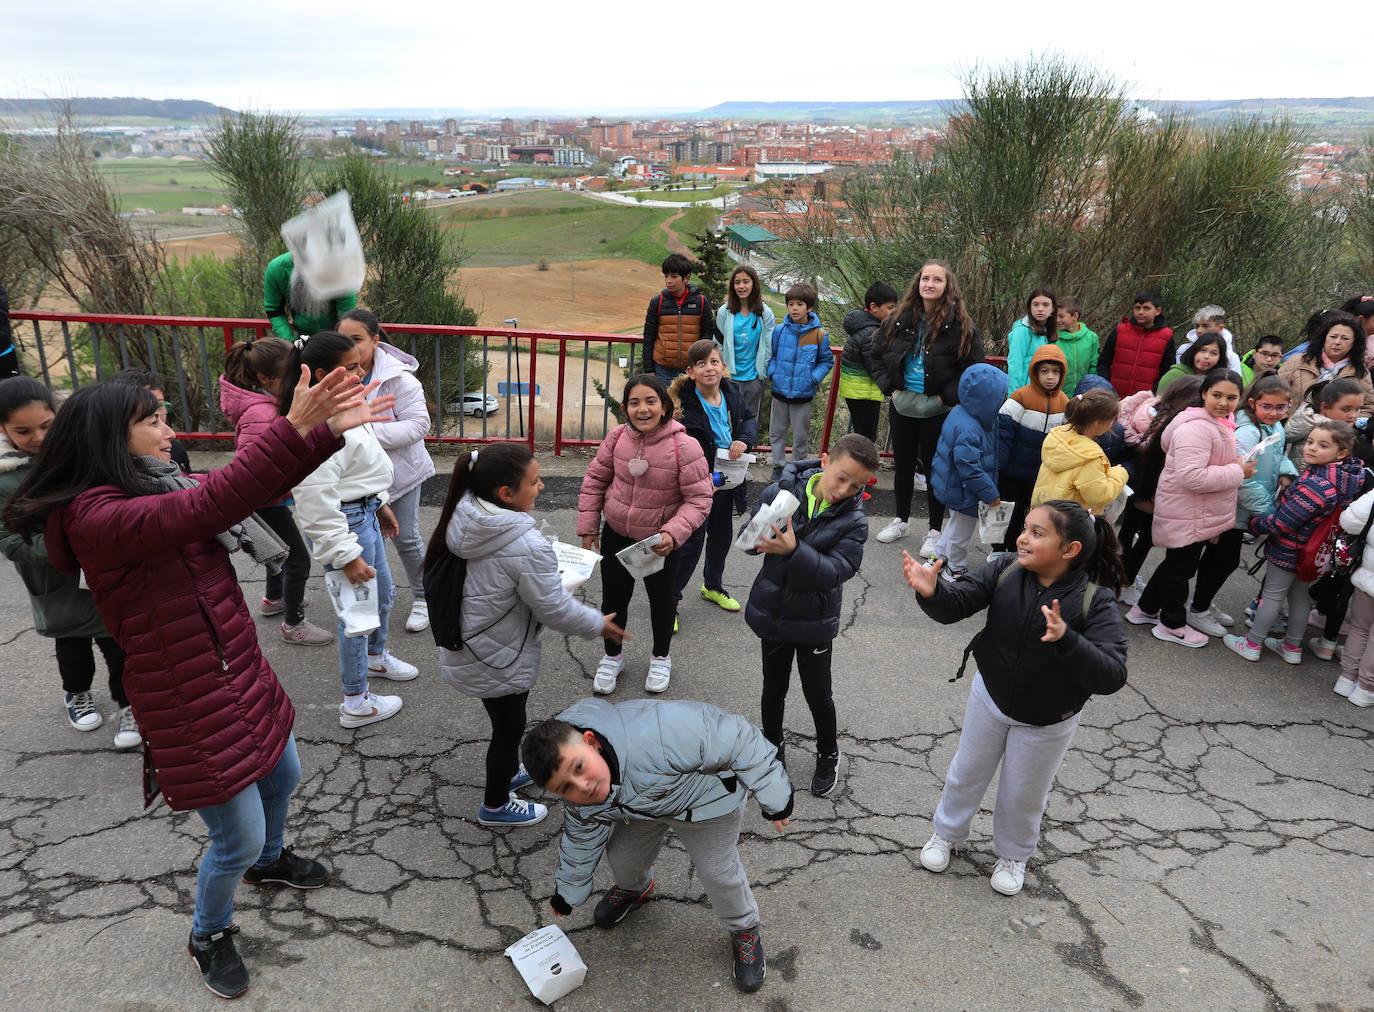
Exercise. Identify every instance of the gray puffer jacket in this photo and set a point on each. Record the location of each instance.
(675, 760)
(512, 591)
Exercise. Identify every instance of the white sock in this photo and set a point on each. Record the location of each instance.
(355, 703)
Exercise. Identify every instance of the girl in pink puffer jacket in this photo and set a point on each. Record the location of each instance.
(648, 477)
(1194, 503)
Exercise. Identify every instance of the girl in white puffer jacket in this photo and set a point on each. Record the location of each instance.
(1356, 682)
(510, 591)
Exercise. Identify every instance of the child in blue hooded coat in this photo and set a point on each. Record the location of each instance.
(964, 472)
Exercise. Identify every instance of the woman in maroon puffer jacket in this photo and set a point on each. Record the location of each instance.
(216, 723)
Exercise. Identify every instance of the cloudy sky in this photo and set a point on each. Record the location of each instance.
(286, 54)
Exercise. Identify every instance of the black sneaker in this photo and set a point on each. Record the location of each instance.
(288, 869)
(219, 962)
(617, 903)
(747, 950)
(827, 773)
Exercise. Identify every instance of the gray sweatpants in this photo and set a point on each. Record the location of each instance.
(1030, 758)
(713, 848)
(955, 538)
(752, 392)
(785, 416)
(410, 543)
(1280, 585)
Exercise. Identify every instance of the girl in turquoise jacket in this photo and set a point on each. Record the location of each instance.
(1037, 327)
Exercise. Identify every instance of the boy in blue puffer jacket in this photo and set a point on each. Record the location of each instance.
(801, 358)
(628, 773)
(964, 472)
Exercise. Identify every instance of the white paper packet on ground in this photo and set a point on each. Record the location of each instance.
(575, 564)
(758, 528)
(993, 521)
(326, 250)
(1117, 506)
(354, 603)
(640, 559)
(549, 963)
(733, 472)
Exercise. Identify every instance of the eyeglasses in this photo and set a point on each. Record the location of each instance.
(1273, 409)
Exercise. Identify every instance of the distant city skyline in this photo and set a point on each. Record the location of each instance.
(363, 55)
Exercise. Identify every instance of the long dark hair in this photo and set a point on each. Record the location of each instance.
(1317, 344)
(1101, 554)
(88, 445)
(20, 391)
(912, 307)
(755, 303)
(1189, 356)
(496, 467)
(1263, 385)
(1181, 393)
(1051, 324)
(321, 350)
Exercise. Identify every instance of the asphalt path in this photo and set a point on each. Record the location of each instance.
(1206, 845)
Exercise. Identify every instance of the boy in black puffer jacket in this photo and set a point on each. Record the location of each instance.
(794, 605)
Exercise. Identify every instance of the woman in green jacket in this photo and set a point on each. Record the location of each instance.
(62, 609)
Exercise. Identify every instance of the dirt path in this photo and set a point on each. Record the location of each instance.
(670, 238)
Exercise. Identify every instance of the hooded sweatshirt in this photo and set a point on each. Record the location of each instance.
(1022, 343)
(1074, 466)
(856, 381)
(964, 472)
(403, 438)
(248, 411)
(511, 592)
(800, 359)
(1027, 415)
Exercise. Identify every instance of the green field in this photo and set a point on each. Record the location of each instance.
(685, 194)
(161, 184)
(525, 228)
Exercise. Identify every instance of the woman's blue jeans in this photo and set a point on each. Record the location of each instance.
(245, 832)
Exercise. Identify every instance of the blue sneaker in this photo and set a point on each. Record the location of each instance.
(81, 711)
(521, 779)
(513, 813)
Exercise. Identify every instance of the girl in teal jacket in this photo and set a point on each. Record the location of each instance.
(1037, 327)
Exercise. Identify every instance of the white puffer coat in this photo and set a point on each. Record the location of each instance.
(512, 591)
(1353, 521)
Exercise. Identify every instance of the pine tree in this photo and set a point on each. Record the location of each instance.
(714, 273)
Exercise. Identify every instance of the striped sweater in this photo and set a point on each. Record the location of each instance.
(1318, 492)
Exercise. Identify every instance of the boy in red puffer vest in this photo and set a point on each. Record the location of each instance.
(1140, 349)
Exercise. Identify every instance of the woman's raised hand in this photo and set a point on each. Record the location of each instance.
(338, 399)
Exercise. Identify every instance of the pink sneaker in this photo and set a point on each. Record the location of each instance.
(1184, 636)
(306, 633)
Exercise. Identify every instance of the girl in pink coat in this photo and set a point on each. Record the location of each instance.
(1195, 502)
(648, 477)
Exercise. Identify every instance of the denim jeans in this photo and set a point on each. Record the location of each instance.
(410, 545)
(353, 651)
(245, 832)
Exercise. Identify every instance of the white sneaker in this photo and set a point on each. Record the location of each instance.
(1131, 595)
(919, 483)
(660, 670)
(128, 736)
(1221, 616)
(606, 673)
(1361, 697)
(894, 530)
(419, 617)
(373, 709)
(1008, 876)
(1203, 622)
(81, 711)
(935, 854)
(930, 544)
(1344, 686)
(387, 665)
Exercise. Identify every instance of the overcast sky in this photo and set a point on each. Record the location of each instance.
(286, 54)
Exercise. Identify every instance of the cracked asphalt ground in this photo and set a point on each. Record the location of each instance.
(1207, 844)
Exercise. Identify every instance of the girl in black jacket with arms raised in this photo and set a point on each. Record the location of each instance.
(1059, 639)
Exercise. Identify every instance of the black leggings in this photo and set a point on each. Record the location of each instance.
(290, 582)
(813, 669)
(618, 586)
(1137, 538)
(507, 714)
(1218, 562)
(76, 664)
(1018, 491)
(913, 442)
(863, 416)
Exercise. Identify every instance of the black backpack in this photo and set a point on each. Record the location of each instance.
(443, 579)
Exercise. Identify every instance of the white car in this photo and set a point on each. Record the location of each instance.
(475, 404)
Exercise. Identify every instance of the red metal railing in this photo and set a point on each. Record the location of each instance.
(260, 327)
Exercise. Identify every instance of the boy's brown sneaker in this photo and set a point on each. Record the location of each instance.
(617, 903)
(749, 968)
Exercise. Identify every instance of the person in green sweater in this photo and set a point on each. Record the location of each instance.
(1078, 343)
(290, 307)
(1202, 356)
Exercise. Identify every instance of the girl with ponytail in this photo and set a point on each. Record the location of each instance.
(1024, 703)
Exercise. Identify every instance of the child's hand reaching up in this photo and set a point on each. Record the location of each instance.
(921, 578)
(1054, 622)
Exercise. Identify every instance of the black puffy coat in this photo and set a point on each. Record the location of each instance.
(743, 425)
(796, 598)
(1031, 681)
(943, 363)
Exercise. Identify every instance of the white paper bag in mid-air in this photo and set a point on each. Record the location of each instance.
(354, 603)
(326, 250)
(732, 472)
(575, 564)
(549, 963)
(640, 558)
(993, 522)
(760, 525)
(1117, 506)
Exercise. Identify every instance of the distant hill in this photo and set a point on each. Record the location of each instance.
(169, 109)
